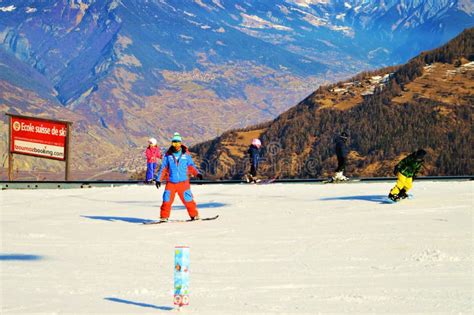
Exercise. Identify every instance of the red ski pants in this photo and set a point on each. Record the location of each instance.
(184, 192)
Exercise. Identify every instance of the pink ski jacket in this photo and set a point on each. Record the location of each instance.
(152, 154)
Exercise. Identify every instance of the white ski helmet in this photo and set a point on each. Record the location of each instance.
(152, 141)
(256, 142)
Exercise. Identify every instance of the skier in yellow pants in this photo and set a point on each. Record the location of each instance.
(405, 170)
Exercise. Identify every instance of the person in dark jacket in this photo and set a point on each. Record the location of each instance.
(341, 152)
(406, 170)
(254, 155)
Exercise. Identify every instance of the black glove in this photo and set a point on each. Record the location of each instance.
(199, 176)
(157, 184)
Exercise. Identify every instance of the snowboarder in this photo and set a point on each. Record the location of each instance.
(254, 155)
(406, 170)
(152, 153)
(177, 164)
(341, 153)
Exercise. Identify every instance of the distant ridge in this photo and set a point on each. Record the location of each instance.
(123, 71)
(389, 112)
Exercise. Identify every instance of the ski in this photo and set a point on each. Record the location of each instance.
(266, 181)
(181, 220)
(251, 180)
(336, 181)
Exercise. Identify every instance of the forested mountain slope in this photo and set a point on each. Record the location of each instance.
(425, 103)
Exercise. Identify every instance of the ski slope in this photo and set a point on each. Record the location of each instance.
(275, 249)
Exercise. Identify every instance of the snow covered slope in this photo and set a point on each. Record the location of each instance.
(279, 248)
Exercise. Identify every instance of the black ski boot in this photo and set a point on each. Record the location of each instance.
(393, 197)
(402, 194)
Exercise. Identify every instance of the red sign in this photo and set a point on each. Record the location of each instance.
(38, 137)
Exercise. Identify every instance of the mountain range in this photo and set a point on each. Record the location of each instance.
(122, 71)
(388, 113)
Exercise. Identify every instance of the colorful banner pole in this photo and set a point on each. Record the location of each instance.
(181, 275)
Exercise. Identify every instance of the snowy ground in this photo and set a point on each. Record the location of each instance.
(278, 248)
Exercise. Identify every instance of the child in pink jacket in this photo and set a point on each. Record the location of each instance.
(152, 155)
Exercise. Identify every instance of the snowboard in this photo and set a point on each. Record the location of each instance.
(181, 220)
(390, 201)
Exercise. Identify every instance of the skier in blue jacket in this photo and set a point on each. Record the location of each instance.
(175, 168)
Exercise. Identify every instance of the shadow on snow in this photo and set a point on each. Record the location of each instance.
(22, 257)
(162, 308)
(113, 219)
(372, 198)
(140, 220)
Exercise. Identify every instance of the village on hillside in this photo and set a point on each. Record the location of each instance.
(347, 94)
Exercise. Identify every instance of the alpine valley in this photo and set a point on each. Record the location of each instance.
(388, 113)
(125, 70)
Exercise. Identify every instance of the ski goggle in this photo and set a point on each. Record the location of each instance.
(175, 143)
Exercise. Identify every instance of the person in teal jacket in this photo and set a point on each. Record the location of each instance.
(406, 170)
(176, 166)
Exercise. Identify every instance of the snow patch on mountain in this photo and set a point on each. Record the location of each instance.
(323, 22)
(314, 20)
(203, 5)
(343, 29)
(10, 8)
(114, 5)
(163, 50)
(341, 16)
(218, 3)
(30, 10)
(185, 38)
(253, 21)
(308, 3)
(466, 6)
(189, 14)
(238, 7)
(283, 9)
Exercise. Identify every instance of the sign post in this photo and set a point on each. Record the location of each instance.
(181, 276)
(38, 137)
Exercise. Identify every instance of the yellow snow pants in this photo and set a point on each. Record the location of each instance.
(403, 182)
